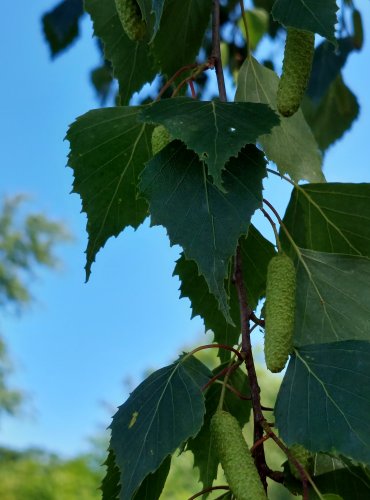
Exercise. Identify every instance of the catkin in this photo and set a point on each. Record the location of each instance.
(279, 311)
(298, 55)
(235, 458)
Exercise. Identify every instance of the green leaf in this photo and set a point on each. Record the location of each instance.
(291, 145)
(132, 62)
(162, 412)
(204, 221)
(181, 32)
(332, 217)
(335, 476)
(152, 12)
(326, 66)
(335, 114)
(152, 486)
(324, 400)
(256, 253)
(61, 25)
(215, 130)
(111, 483)
(205, 456)
(332, 298)
(318, 16)
(258, 24)
(108, 150)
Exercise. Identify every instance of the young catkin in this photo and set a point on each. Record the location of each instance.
(131, 20)
(235, 458)
(303, 456)
(298, 55)
(279, 311)
(160, 138)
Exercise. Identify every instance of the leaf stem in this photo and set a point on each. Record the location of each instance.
(207, 490)
(173, 78)
(244, 17)
(216, 51)
(273, 225)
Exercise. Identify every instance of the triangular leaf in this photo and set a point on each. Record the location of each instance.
(181, 32)
(205, 456)
(108, 150)
(318, 16)
(332, 298)
(162, 412)
(335, 114)
(256, 253)
(291, 145)
(215, 130)
(204, 221)
(61, 24)
(329, 217)
(324, 400)
(132, 62)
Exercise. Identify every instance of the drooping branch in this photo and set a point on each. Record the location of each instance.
(245, 314)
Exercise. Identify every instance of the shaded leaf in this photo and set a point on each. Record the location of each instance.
(205, 456)
(326, 66)
(61, 24)
(335, 114)
(324, 400)
(110, 486)
(258, 24)
(332, 475)
(291, 145)
(215, 130)
(181, 32)
(152, 13)
(162, 412)
(108, 150)
(332, 298)
(256, 253)
(204, 221)
(331, 217)
(132, 62)
(152, 486)
(318, 16)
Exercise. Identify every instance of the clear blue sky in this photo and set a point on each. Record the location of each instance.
(78, 342)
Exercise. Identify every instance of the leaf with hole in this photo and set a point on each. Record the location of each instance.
(215, 130)
(160, 414)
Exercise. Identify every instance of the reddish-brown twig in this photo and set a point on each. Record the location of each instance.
(207, 490)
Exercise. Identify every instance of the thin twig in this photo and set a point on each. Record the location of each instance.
(244, 18)
(216, 51)
(245, 312)
(207, 490)
(273, 225)
(230, 368)
(173, 78)
(260, 441)
(219, 346)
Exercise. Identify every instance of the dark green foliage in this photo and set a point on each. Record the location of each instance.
(61, 24)
(335, 405)
(139, 421)
(130, 16)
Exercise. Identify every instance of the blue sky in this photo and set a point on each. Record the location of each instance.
(77, 344)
